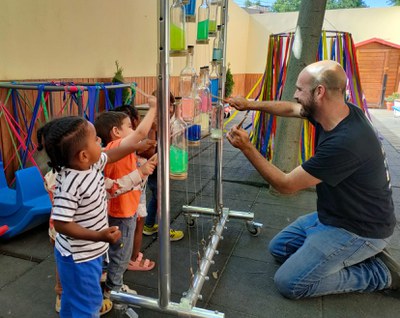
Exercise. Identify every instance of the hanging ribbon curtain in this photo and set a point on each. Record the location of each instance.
(22, 119)
(333, 45)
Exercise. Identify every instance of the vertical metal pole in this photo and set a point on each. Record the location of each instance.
(163, 203)
(383, 91)
(221, 90)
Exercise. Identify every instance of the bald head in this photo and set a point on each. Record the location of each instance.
(327, 73)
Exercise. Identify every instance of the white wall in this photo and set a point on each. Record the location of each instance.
(79, 39)
(75, 38)
(44, 39)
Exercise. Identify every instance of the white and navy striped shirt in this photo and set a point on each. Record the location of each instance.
(80, 197)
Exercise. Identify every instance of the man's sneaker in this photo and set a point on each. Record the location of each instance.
(150, 230)
(124, 288)
(393, 266)
(174, 235)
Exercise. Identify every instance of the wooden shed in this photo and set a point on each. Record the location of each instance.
(379, 65)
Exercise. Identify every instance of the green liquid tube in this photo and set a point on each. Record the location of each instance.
(212, 26)
(202, 30)
(177, 38)
(178, 161)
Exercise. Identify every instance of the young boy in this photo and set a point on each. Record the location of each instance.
(114, 128)
(138, 262)
(150, 226)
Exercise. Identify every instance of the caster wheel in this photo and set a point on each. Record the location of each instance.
(190, 222)
(253, 230)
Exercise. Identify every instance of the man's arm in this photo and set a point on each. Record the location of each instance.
(285, 183)
(278, 108)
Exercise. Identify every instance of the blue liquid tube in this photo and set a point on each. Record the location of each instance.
(190, 10)
(217, 54)
(214, 89)
(194, 134)
(218, 45)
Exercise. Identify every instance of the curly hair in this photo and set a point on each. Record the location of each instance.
(105, 122)
(62, 138)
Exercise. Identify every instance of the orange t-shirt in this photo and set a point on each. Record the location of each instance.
(126, 204)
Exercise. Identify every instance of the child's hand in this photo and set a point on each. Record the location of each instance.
(146, 145)
(149, 166)
(154, 125)
(152, 100)
(111, 234)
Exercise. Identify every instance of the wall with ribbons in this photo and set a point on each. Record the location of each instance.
(333, 45)
(26, 106)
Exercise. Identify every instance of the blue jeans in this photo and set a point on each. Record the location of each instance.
(152, 203)
(120, 252)
(81, 295)
(320, 260)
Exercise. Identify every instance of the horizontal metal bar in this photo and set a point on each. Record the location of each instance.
(188, 209)
(34, 86)
(172, 308)
(249, 216)
(198, 209)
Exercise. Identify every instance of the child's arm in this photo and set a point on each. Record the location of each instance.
(151, 151)
(145, 146)
(128, 143)
(111, 234)
(128, 182)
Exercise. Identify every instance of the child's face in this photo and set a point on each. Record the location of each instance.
(126, 128)
(93, 145)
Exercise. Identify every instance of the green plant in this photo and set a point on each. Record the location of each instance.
(229, 82)
(119, 78)
(392, 97)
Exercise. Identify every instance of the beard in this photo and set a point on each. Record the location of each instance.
(309, 108)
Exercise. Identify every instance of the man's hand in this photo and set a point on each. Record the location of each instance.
(111, 234)
(238, 138)
(240, 103)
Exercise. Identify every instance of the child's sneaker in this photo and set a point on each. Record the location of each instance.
(150, 230)
(58, 303)
(106, 306)
(174, 235)
(124, 288)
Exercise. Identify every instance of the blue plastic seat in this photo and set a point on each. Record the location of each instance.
(8, 197)
(35, 204)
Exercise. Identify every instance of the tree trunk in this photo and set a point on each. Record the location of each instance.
(304, 51)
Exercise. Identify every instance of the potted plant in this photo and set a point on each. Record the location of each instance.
(119, 79)
(390, 100)
(229, 83)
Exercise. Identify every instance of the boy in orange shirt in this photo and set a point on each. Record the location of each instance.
(114, 128)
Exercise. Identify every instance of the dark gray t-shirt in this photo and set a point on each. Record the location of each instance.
(355, 192)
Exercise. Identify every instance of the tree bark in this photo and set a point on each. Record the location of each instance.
(304, 51)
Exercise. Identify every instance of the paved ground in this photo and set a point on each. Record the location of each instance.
(241, 280)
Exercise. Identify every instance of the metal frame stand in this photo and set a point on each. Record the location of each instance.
(186, 307)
